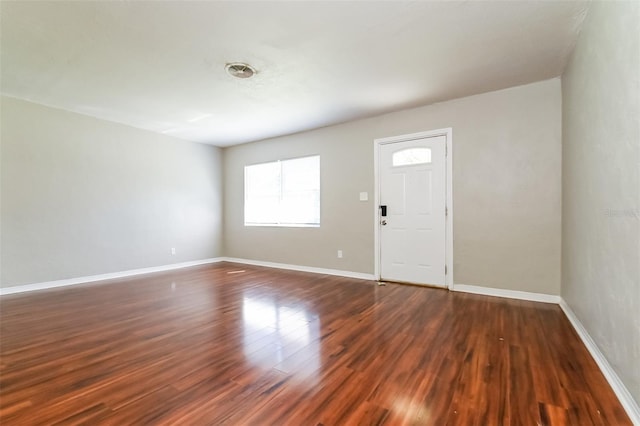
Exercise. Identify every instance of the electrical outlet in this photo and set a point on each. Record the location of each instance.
(173, 250)
(339, 254)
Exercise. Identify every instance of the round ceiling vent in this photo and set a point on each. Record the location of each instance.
(240, 70)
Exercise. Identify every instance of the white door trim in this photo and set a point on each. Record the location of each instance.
(448, 134)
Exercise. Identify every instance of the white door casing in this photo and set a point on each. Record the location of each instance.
(413, 241)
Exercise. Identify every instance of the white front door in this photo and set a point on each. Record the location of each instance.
(412, 229)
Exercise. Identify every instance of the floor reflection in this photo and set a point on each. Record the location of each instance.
(282, 336)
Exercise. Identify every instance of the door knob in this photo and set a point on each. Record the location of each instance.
(383, 222)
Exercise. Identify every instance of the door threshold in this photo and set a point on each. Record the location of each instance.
(385, 282)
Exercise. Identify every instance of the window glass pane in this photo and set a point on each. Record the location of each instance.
(411, 156)
(263, 179)
(300, 191)
(262, 193)
(283, 193)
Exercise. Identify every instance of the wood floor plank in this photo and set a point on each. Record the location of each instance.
(231, 344)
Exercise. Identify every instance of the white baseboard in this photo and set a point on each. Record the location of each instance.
(337, 272)
(621, 391)
(132, 272)
(510, 294)
(101, 277)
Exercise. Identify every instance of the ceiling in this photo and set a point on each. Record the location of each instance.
(160, 65)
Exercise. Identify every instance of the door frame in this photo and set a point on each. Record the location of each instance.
(377, 143)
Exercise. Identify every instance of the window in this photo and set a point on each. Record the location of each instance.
(411, 156)
(283, 193)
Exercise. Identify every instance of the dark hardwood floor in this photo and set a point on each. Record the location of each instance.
(242, 345)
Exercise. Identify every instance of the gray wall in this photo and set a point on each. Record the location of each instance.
(82, 196)
(601, 184)
(507, 189)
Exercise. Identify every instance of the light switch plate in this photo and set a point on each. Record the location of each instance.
(364, 196)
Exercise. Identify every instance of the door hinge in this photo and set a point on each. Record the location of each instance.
(445, 269)
(446, 211)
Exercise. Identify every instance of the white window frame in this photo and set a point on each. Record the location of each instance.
(282, 224)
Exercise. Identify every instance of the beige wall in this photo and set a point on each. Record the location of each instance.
(507, 158)
(82, 196)
(601, 184)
